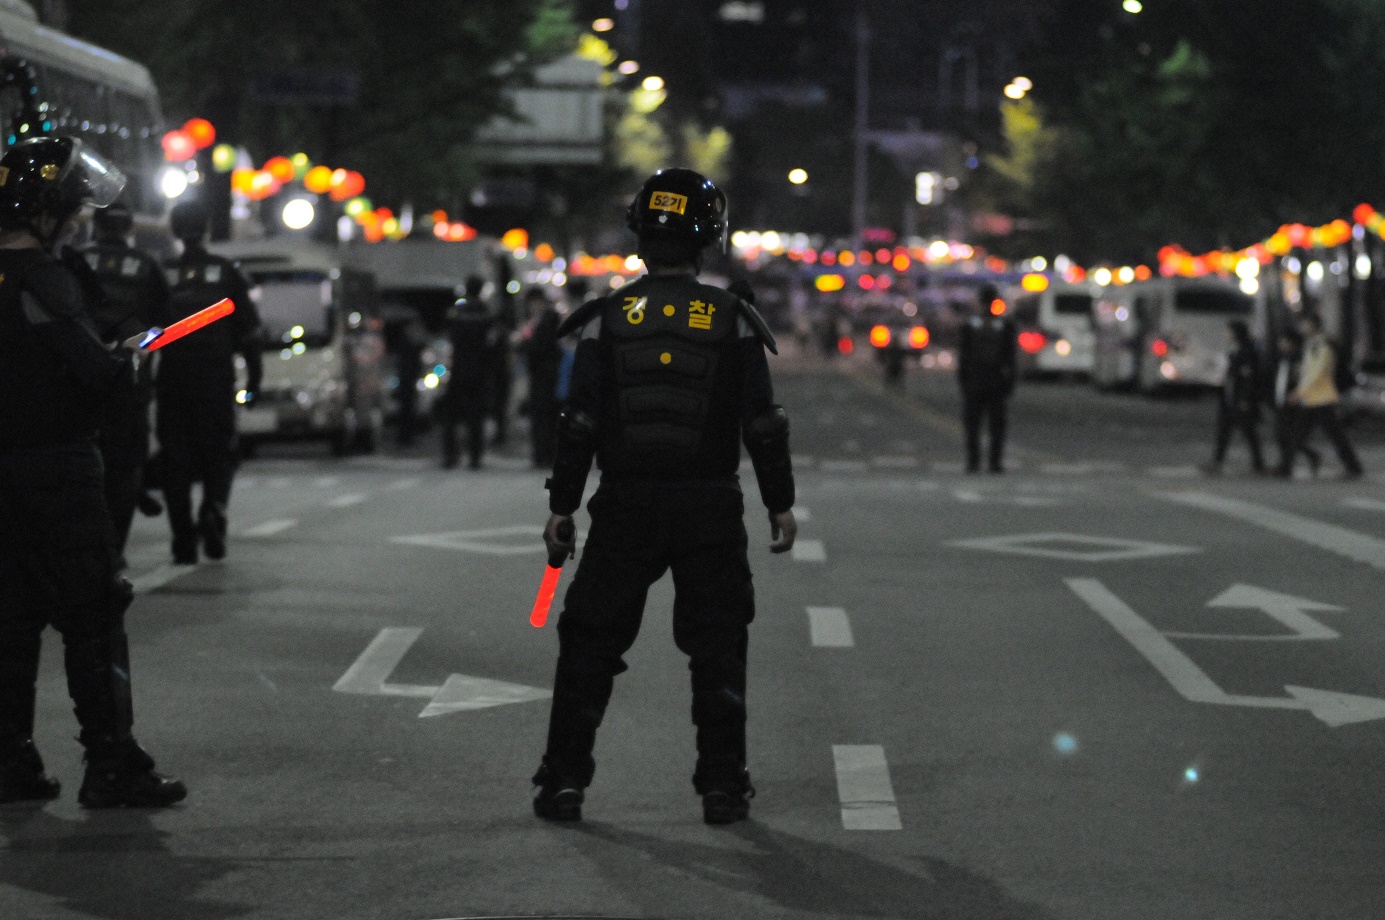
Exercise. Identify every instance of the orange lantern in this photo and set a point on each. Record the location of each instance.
(242, 180)
(201, 132)
(1363, 214)
(544, 252)
(281, 168)
(515, 239)
(318, 180)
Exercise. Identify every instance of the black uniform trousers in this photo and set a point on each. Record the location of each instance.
(124, 443)
(58, 568)
(466, 402)
(1311, 417)
(1248, 424)
(639, 532)
(1286, 433)
(197, 441)
(989, 406)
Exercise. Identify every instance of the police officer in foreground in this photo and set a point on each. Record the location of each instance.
(670, 376)
(473, 331)
(196, 388)
(131, 296)
(986, 372)
(57, 547)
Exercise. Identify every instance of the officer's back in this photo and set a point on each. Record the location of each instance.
(472, 331)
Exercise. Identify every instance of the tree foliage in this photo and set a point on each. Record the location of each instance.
(429, 74)
(1207, 124)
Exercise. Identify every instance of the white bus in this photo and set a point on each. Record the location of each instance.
(1167, 332)
(84, 91)
(1055, 328)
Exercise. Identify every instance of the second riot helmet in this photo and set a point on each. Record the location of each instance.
(189, 220)
(679, 205)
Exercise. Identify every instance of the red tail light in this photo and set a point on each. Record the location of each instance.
(918, 337)
(880, 336)
(1032, 342)
(1159, 348)
(845, 345)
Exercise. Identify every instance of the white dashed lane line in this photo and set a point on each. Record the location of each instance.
(346, 501)
(863, 785)
(403, 484)
(269, 528)
(1364, 504)
(809, 551)
(830, 627)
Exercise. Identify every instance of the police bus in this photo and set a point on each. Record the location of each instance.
(75, 88)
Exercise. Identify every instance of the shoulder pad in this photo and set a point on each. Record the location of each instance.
(757, 322)
(56, 287)
(581, 316)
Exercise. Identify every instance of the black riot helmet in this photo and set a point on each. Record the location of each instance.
(53, 177)
(114, 222)
(679, 206)
(189, 221)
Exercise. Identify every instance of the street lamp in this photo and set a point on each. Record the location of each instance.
(798, 176)
(1018, 88)
(629, 68)
(653, 84)
(1133, 7)
(605, 24)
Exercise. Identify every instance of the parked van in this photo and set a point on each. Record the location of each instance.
(1167, 332)
(1055, 328)
(323, 347)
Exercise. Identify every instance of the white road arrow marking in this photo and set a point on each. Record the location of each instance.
(1192, 682)
(1285, 608)
(464, 694)
(461, 693)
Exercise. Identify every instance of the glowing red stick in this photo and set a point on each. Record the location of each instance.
(545, 598)
(222, 308)
(549, 587)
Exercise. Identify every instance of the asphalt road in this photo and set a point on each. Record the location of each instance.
(972, 698)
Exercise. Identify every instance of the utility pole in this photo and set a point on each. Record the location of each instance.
(861, 184)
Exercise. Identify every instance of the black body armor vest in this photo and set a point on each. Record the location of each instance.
(671, 381)
(125, 276)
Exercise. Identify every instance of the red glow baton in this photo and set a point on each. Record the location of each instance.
(220, 309)
(549, 587)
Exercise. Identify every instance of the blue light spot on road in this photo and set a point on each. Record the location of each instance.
(1191, 775)
(1064, 743)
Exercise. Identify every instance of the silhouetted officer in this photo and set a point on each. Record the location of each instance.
(543, 358)
(58, 556)
(1239, 406)
(196, 387)
(131, 296)
(670, 376)
(986, 371)
(473, 331)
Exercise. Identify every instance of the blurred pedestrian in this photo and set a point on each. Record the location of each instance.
(129, 296)
(58, 558)
(473, 331)
(196, 388)
(986, 372)
(1239, 404)
(1286, 413)
(1317, 399)
(670, 378)
(500, 360)
(543, 359)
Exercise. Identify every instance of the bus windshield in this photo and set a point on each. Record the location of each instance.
(1220, 303)
(295, 307)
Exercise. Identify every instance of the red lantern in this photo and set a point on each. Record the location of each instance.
(354, 184)
(178, 147)
(1363, 214)
(1299, 235)
(201, 132)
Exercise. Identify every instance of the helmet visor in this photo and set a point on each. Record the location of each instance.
(97, 179)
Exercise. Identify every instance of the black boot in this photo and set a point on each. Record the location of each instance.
(185, 549)
(725, 802)
(22, 778)
(556, 799)
(149, 505)
(121, 775)
(212, 528)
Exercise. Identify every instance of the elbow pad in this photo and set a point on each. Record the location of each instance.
(576, 447)
(767, 439)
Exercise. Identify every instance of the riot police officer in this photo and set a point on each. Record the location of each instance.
(670, 376)
(57, 547)
(543, 358)
(986, 372)
(196, 388)
(130, 297)
(473, 331)
(1239, 405)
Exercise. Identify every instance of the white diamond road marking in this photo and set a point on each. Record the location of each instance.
(517, 540)
(863, 785)
(269, 528)
(809, 551)
(1103, 549)
(830, 627)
